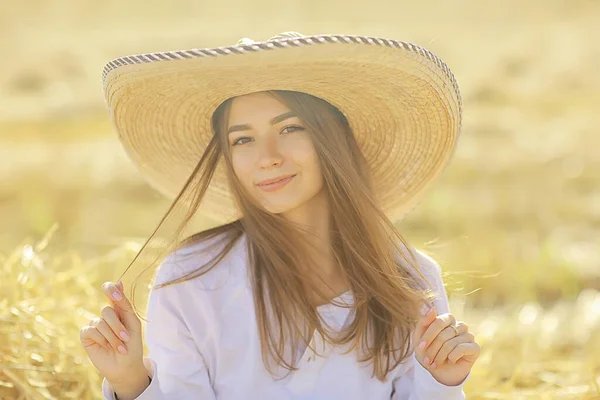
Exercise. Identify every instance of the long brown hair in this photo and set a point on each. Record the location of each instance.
(366, 245)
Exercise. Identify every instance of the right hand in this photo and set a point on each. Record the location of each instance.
(102, 337)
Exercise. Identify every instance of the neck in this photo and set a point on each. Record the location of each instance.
(313, 218)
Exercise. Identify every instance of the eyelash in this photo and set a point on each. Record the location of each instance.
(297, 128)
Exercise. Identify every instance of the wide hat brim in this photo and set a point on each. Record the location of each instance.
(401, 101)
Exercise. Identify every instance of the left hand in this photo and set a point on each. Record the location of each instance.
(450, 357)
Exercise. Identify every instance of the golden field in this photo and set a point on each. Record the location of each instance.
(514, 221)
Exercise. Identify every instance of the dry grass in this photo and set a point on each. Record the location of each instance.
(514, 221)
(528, 352)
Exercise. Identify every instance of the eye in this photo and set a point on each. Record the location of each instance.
(294, 128)
(236, 142)
(287, 129)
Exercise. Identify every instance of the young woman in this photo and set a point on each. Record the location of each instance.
(303, 151)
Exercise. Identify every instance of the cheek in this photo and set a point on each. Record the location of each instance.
(242, 167)
(306, 157)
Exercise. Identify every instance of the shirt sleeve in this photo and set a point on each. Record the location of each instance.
(416, 382)
(175, 364)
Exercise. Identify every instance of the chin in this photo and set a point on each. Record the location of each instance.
(279, 207)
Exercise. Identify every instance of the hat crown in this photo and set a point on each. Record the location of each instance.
(283, 35)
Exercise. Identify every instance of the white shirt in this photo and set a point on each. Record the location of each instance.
(203, 343)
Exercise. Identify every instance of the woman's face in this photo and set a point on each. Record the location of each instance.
(268, 142)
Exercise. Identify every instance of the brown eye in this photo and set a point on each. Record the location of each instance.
(236, 142)
(293, 128)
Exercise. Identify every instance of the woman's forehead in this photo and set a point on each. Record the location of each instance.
(255, 106)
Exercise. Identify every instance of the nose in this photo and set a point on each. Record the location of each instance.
(269, 153)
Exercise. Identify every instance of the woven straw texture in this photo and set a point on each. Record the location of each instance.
(402, 102)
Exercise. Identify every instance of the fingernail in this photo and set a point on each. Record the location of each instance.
(117, 296)
(426, 360)
(124, 335)
(422, 344)
(122, 349)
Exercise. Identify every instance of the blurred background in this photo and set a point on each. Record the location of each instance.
(514, 221)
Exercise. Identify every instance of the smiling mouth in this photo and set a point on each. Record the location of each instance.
(269, 187)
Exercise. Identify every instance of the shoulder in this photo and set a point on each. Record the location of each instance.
(433, 283)
(428, 265)
(419, 264)
(420, 259)
(198, 256)
(205, 286)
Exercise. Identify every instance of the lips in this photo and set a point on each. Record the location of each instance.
(274, 180)
(277, 183)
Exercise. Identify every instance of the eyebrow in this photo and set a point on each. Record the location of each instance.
(275, 120)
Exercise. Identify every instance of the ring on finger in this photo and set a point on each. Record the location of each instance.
(455, 328)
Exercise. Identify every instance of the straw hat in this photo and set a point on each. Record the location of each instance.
(402, 102)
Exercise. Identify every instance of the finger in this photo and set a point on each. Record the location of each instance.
(436, 327)
(114, 293)
(111, 318)
(115, 342)
(89, 337)
(446, 348)
(123, 307)
(441, 339)
(423, 324)
(464, 350)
